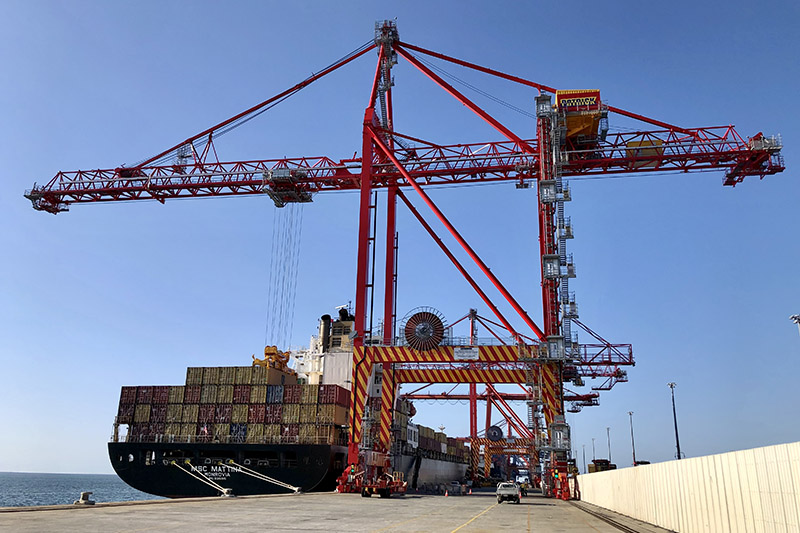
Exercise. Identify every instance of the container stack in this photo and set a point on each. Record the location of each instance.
(236, 404)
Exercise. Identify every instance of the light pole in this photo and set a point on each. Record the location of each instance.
(593, 456)
(671, 386)
(796, 320)
(584, 458)
(633, 445)
(608, 435)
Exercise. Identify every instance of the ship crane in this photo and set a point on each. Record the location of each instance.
(572, 140)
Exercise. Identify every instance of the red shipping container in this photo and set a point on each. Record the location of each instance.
(241, 394)
(273, 413)
(292, 393)
(157, 428)
(125, 413)
(255, 413)
(206, 413)
(191, 394)
(158, 413)
(128, 395)
(290, 430)
(144, 394)
(224, 411)
(205, 431)
(375, 403)
(334, 394)
(160, 394)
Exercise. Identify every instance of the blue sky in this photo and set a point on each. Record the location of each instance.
(700, 278)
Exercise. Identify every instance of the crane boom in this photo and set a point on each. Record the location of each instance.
(295, 179)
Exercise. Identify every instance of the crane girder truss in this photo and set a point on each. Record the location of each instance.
(393, 161)
(294, 179)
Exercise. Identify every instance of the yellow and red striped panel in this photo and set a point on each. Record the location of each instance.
(459, 375)
(442, 354)
(387, 406)
(550, 395)
(362, 369)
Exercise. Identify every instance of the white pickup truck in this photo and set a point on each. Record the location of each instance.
(508, 491)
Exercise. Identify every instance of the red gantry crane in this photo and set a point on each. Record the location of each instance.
(572, 140)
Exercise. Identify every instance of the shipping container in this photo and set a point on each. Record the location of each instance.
(244, 374)
(290, 413)
(191, 394)
(174, 413)
(238, 432)
(255, 433)
(309, 393)
(273, 413)
(255, 413)
(125, 413)
(172, 430)
(176, 393)
(258, 394)
(208, 394)
(191, 412)
(275, 393)
(158, 413)
(127, 395)
(225, 394)
(308, 413)
(241, 394)
(144, 394)
(222, 431)
(334, 394)
(290, 430)
(227, 375)
(271, 376)
(292, 393)
(160, 394)
(142, 413)
(211, 375)
(206, 413)
(272, 431)
(223, 413)
(239, 414)
(332, 414)
(205, 431)
(189, 431)
(194, 376)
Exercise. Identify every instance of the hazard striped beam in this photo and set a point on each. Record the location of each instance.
(388, 389)
(459, 375)
(362, 369)
(443, 354)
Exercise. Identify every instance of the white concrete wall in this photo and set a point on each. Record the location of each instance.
(748, 491)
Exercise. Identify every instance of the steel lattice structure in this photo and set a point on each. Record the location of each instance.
(399, 163)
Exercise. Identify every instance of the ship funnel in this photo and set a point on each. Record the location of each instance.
(325, 332)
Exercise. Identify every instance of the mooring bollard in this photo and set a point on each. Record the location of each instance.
(84, 499)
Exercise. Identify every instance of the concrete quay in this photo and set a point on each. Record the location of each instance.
(327, 512)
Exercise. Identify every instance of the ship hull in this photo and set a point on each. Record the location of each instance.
(154, 467)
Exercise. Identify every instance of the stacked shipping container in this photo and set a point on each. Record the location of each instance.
(236, 404)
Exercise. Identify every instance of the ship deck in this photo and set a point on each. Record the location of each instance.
(478, 512)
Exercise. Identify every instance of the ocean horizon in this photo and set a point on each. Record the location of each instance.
(27, 489)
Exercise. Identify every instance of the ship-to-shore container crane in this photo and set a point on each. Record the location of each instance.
(572, 140)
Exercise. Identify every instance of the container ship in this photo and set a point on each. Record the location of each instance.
(266, 428)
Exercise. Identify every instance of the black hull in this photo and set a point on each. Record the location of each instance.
(147, 466)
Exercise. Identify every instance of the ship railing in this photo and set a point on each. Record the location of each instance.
(238, 439)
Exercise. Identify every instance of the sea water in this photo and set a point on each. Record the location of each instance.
(25, 489)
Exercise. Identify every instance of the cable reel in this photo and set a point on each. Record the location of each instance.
(423, 328)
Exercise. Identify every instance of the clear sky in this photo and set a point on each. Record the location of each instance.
(700, 278)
